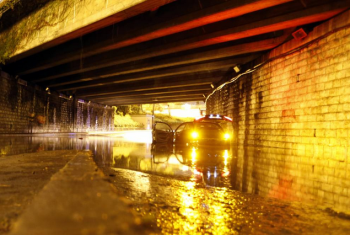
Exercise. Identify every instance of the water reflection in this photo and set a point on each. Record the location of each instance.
(187, 163)
(11, 145)
(211, 166)
(186, 207)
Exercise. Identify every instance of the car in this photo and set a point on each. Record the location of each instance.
(191, 133)
(224, 121)
(162, 133)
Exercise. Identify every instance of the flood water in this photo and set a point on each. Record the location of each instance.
(181, 189)
(183, 162)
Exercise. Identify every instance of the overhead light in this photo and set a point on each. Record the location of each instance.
(22, 82)
(212, 85)
(47, 89)
(299, 34)
(63, 96)
(187, 106)
(237, 68)
(204, 96)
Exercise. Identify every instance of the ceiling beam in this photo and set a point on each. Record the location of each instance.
(199, 81)
(157, 73)
(230, 9)
(197, 91)
(220, 53)
(205, 16)
(152, 101)
(294, 19)
(158, 96)
(200, 88)
(204, 67)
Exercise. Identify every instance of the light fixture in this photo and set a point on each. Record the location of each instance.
(237, 68)
(299, 34)
(212, 85)
(48, 90)
(21, 82)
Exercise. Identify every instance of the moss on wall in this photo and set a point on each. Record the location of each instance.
(25, 31)
(6, 5)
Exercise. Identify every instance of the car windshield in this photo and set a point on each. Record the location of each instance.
(225, 125)
(207, 126)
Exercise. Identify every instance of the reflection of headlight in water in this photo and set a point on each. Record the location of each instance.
(193, 154)
(196, 172)
(173, 160)
(225, 173)
(138, 136)
(226, 156)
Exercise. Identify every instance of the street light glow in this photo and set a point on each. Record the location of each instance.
(187, 106)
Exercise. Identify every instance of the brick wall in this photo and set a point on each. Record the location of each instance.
(292, 120)
(30, 109)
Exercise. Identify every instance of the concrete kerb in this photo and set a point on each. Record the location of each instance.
(78, 200)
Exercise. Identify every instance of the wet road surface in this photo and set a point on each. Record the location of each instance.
(184, 207)
(22, 177)
(180, 190)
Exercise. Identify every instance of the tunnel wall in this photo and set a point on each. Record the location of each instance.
(31, 109)
(292, 119)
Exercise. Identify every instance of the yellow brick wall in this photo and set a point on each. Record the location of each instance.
(292, 121)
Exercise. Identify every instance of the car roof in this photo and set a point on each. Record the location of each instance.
(213, 117)
(197, 123)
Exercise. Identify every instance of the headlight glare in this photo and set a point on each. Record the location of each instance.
(226, 136)
(194, 135)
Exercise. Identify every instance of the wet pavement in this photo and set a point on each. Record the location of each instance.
(180, 190)
(184, 207)
(22, 177)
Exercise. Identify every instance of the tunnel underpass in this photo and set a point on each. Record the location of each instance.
(279, 69)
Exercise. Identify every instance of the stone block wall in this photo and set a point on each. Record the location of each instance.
(292, 120)
(30, 109)
(58, 21)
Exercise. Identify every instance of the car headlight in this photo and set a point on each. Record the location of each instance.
(226, 136)
(194, 135)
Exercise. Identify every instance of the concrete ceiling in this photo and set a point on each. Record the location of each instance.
(171, 54)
